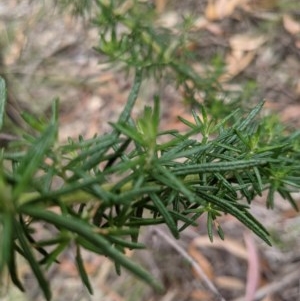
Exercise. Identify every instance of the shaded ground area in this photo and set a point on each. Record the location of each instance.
(47, 54)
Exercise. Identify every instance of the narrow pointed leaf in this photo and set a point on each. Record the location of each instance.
(53, 255)
(85, 230)
(124, 243)
(43, 283)
(216, 166)
(12, 267)
(129, 132)
(241, 215)
(32, 160)
(165, 214)
(6, 239)
(250, 116)
(169, 179)
(132, 96)
(209, 224)
(82, 272)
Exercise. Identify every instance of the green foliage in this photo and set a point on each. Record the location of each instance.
(131, 37)
(98, 193)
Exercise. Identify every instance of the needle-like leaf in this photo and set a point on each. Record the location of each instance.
(76, 225)
(29, 256)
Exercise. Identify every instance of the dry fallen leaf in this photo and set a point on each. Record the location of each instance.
(169, 20)
(262, 5)
(230, 283)
(201, 260)
(199, 23)
(160, 5)
(236, 62)
(247, 41)
(203, 23)
(215, 29)
(200, 295)
(219, 9)
(290, 25)
(244, 48)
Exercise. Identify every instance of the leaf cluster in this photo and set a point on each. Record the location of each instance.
(112, 185)
(132, 36)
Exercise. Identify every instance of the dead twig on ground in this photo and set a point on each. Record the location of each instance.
(194, 264)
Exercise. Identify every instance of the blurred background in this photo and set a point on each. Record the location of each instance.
(253, 47)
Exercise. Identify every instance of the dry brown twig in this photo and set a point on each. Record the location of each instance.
(193, 263)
